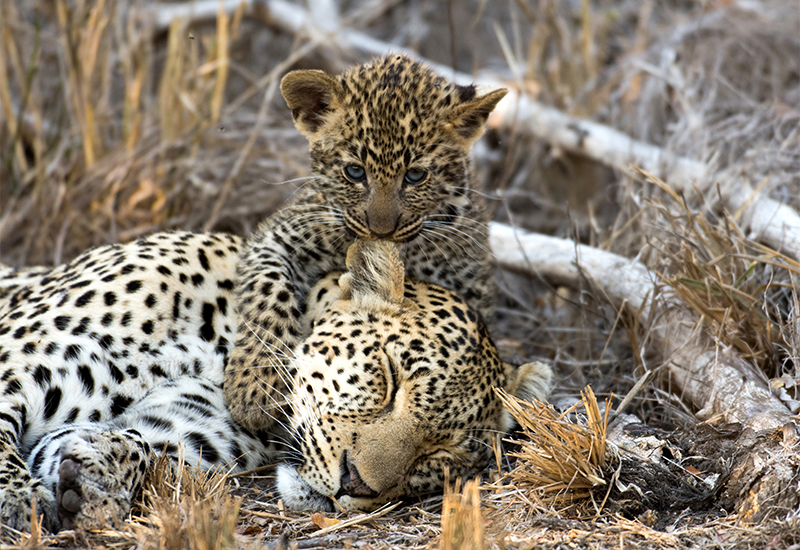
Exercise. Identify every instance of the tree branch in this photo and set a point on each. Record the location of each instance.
(775, 224)
(716, 382)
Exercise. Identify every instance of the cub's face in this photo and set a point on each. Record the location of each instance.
(394, 385)
(389, 140)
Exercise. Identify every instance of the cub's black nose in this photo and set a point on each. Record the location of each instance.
(379, 230)
(351, 483)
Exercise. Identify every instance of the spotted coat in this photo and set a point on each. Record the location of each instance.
(107, 358)
(390, 155)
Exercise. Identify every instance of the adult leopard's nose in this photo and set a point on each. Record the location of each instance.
(351, 483)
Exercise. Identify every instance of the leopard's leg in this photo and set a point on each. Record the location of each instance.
(18, 486)
(94, 472)
(282, 260)
(190, 412)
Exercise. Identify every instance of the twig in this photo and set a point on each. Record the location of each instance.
(643, 381)
(361, 518)
(266, 515)
(269, 95)
(315, 542)
(252, 471)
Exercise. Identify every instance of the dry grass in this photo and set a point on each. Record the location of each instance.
(712, 268)
(744, 293)
(721, 87)
(100, 147)
(560, 460)
(615, 532)
(184, 507)
(462, 518)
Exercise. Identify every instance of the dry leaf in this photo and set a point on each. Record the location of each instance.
(322, 522)
(692, 470)
(252, 530)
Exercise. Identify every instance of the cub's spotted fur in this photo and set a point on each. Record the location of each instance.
(390, 153)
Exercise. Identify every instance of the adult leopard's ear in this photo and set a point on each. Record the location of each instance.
(526, 382)
(375, 273)
(310, 95)
(469, 119)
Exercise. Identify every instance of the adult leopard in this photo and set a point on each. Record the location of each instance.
(121, 352)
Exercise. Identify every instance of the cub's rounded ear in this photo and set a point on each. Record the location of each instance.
(468, 119)
(310, 95)
(526, 382)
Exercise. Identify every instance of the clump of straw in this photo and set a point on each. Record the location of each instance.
(186, 508)
(728, 280)
(559, 459)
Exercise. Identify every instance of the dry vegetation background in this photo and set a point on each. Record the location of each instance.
(116, 122)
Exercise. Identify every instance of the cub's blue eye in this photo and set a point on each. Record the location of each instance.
(355, 173)
(415, 175)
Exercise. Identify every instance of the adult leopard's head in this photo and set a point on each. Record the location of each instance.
(389, 140)
(393, 386)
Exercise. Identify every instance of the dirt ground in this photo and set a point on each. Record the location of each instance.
(116, 124)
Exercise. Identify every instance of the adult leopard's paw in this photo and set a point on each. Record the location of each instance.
(16, 506)
(85, 502)
(98, 477)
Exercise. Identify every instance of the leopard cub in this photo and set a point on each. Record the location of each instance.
(390, 148)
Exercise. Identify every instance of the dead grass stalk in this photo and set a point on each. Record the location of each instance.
(462, 518)
(560, 460)
(184, 507)
(744, 292)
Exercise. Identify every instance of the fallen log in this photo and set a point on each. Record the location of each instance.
(716, 382)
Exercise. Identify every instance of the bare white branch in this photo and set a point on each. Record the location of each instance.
(717, 382)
